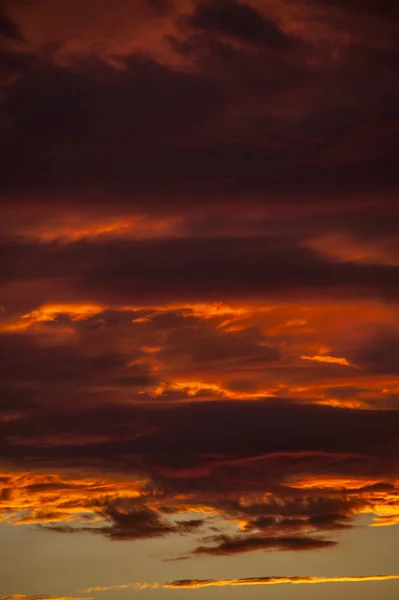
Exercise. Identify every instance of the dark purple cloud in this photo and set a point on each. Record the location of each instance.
(228, 546)
(238, 20)
(290, 119)
(9, 29)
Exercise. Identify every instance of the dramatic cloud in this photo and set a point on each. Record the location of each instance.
(226, 98)
(199, 282)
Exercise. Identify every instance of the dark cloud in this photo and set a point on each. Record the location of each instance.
(161, 7)
(224, 123)
(134, 523)
(384, 8)
(179, 270)
(329, 521)
(228, 546)
(209, 345)
(379, 353)
(211, 454)
(9, 29)
(238, 20)
(189, 435)
(77, 115)
(130, 523)
(25, 360)
(324, 522)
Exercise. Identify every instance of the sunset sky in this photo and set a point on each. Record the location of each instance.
(199, 294)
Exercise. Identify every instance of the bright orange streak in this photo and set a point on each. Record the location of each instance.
(80, 311)
(337, 403)
(150, 349)
(332, 482)
(123, 586)
(24, 597)
(71, 234)
(77, 312)
(49, 312)
(137, 227)
(200, 583)
(385, 521)
(195, 388)
(329, 359)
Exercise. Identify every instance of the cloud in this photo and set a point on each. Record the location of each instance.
(135, 522)
(385, 9)
(203, 583)
(225, 123)
(199, 583)
(228, 546)
(177, 271)
(9, 29)
(123, 586)
(377, 352)
(27, 597)
(334, 360)
(191, 486)
(238, 20)
(199, 231)
(195, 420)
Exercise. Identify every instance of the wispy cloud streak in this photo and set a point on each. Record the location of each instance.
(201, 583)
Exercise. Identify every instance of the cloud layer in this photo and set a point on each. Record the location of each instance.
(200, 273)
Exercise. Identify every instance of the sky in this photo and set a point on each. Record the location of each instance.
(199, 293)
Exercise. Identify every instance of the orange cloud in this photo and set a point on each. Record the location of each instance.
(198, 388)
(54, 498)
(201, 583)
(334, 360)
(129, 227)
(75, 311)
(332, 482)
(49, 312)
(382, 504)
(27, 597)
(203, 310)
(123, 586)
(344, 248)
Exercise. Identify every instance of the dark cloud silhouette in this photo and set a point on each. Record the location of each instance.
(238, 20)
(179, 269)
(130, 523)
(9, 29)
(228, 546)
(379, 353)
(385, 8)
